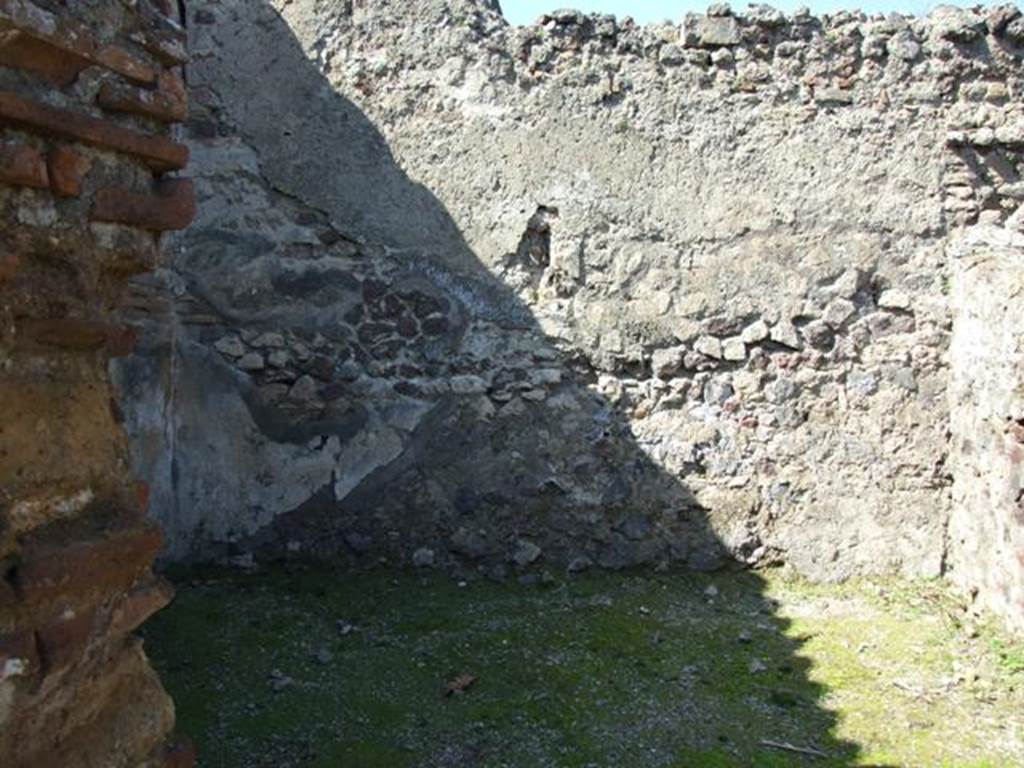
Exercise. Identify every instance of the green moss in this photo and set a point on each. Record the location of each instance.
(1010, 655)
(603, 669)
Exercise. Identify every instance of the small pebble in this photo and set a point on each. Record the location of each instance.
(279, 681)
(344, 628)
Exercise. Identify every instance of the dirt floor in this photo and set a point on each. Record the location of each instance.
(311, 667)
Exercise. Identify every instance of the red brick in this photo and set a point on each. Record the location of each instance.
(25, 52)
(105, 562)
(171, 207)
(163, 105)
(172, 83)
(23, 166)
(72, 38)
(75, 333)
(159, 152)
(30, 18)
(67, 169)
(62, 640)
(121, 61)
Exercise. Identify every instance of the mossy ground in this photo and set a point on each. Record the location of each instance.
(593, 670)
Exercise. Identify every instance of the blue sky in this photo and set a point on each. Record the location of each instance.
(525, 11)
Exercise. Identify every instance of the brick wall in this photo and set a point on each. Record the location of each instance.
(89, 93)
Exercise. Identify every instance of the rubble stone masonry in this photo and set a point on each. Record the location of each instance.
(586, 292)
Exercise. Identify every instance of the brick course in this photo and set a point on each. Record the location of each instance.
(159, 152)
(23, 166)
(172, 205)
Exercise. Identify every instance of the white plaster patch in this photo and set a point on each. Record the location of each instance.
(28, 513)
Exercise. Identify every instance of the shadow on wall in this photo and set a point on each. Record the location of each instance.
(340, 376)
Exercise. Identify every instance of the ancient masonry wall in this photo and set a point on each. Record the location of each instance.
(88, 92)
(582, 292)
(987, 426)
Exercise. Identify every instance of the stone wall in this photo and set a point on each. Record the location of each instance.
(577, 292)
(88, 90)
(987, 401)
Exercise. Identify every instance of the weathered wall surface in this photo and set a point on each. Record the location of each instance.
(987, 402)
(577, 291)
(87, 93)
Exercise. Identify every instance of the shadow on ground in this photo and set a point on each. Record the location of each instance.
(313, 667)
(320, 668)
